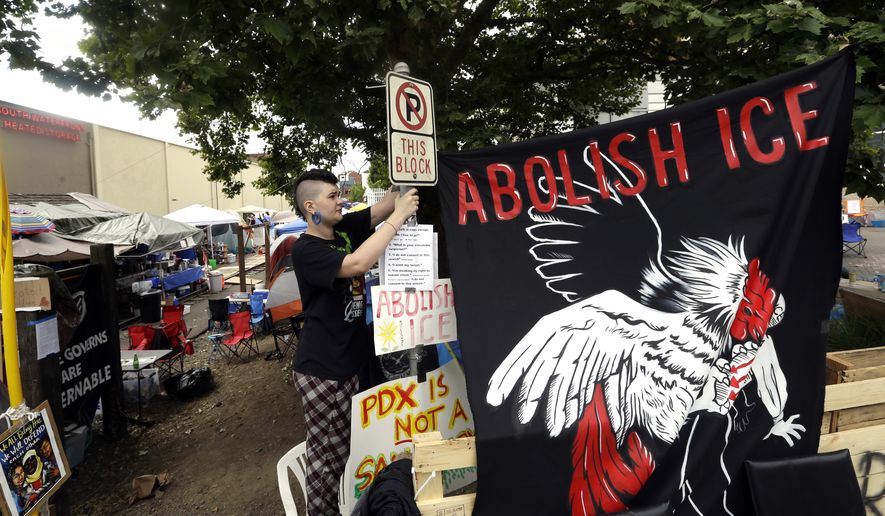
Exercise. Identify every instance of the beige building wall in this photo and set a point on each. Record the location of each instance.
(187, 183)
(250, 195)
(130, 171)
(47, 154)
(43, 153)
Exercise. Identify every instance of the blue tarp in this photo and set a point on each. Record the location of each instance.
(298, 226)
(180, 279)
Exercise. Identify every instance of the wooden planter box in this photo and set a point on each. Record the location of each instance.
(854, 366)
(854, 418)
(431, 457)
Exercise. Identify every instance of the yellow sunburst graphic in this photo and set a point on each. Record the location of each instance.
(387, 331)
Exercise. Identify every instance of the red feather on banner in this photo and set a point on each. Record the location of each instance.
(604, 479)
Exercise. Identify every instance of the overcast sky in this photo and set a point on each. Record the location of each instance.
(58, 39)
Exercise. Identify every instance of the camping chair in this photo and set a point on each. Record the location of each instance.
(823, 483)
(218, 325)
(286, 333)
(295, 460)
(146, 337)
(175, 328)
(242, 336)
(218, 312)
(852, 240)
(256, 305)
(140, 336)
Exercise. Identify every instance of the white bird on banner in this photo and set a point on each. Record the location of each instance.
(628, 374)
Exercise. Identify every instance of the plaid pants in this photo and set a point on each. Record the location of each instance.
(327, 415)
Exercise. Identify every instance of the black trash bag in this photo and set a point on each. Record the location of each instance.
(189, 385)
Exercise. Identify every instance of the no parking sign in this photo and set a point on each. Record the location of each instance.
(411, 133)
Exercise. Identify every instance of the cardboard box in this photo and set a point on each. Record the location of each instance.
(32, 293)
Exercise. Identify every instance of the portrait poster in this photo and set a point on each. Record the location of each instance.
(33, 462)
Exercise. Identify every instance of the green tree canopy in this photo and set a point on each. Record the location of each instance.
(301, 73)
(357, 193)
(378, 175)
(699, 49)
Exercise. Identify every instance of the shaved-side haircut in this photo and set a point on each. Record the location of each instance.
(307, 187)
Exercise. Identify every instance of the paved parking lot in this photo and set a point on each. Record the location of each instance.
(874, 263)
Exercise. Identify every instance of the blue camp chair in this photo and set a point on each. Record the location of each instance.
(852, 240)
(258, 321)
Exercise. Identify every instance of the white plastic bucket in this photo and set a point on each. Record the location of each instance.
(215, 281)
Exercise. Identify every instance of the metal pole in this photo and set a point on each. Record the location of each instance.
(414, 353)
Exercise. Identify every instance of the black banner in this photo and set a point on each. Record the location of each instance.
(86, 361)
(640, 303)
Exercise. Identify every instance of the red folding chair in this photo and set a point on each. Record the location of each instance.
(242, 336)
(140, 336)
(175, 328)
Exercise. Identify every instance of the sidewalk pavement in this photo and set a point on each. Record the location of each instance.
(874, 263)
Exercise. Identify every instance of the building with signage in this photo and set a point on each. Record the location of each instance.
(44, 153)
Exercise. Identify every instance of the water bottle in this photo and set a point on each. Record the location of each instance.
(838, 312)
(135, 361)
(880, 281)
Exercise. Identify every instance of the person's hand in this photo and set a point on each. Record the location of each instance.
(406, 205)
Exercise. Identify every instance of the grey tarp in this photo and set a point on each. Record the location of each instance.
(70, 218)
(142, 229)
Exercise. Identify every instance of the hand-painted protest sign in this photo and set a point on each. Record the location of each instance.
(409, 258)
(33, 463)
(384, 419)
(404, 320)
(659, 288)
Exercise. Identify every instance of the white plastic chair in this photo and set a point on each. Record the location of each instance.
(295, 460)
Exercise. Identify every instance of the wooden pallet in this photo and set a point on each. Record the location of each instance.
(431, 457)
(865, 441)
(852, 366)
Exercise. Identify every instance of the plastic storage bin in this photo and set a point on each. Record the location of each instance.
(150, 385)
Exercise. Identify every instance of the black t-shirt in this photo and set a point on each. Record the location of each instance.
(334, 339)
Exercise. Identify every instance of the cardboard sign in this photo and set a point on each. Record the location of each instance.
(33, 462)
(404, 320)
(384, 419)
(409, 259)
(31, 293)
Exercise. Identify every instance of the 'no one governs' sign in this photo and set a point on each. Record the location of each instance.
(411, 133)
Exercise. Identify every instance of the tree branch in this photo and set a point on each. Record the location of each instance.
(472, 28)
(519, 20)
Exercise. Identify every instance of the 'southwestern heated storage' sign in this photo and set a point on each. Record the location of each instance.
(14, 118)
(411, 134)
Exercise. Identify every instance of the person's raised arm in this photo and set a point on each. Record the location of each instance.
(383, 208)
(365, 256)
